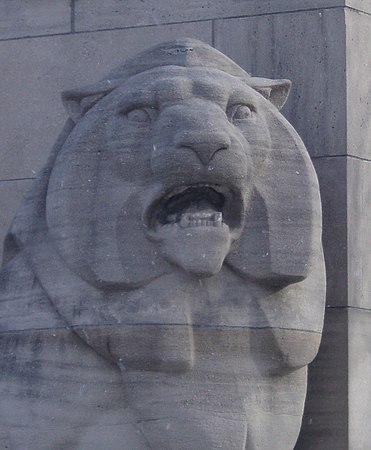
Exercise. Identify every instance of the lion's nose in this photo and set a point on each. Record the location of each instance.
(204, 144)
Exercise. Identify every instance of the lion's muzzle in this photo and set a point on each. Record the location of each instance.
(204, 144)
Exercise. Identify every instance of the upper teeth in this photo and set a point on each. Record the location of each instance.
(201, 219)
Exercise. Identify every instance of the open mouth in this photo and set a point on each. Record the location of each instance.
(198, 205)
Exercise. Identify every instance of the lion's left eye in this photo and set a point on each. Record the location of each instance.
(240, 112)
(141, 115)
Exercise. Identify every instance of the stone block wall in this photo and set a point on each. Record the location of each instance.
(323, 46)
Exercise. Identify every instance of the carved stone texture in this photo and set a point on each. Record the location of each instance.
(164, 280)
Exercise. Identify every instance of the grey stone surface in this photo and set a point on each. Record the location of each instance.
(346, 209)
(359, 233)
(359, 378)
(337, 410)
(11, 194)
(307, 47)
(164, 278)
(95, 14)
(332, 173)
(326, 419)
(358, 70)
(19, 18)
(37, 70)
(360, 5)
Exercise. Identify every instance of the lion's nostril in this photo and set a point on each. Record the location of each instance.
(205, 152)
(204, 144)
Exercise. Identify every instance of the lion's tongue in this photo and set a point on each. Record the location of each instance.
(198, 250)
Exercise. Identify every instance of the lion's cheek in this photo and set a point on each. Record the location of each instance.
(199, 250)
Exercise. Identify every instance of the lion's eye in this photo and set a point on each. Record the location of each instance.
(240, 112)
(141, 115)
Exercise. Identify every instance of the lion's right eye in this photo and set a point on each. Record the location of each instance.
(141, 115)
(240, 112)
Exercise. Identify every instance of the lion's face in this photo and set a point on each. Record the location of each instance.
(169, 157)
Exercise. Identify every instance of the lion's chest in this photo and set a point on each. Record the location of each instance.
(176, 324)
(179, 348)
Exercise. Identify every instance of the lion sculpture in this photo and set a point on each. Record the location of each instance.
(163, 283)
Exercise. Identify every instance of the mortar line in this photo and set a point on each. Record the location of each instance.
(348, 307)
(360, 158)
(17, 179)
(153, 324)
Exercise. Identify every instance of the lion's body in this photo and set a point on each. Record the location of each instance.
(168, 288)
(63, 394)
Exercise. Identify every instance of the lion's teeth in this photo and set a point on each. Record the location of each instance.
(184, 221)
(218, 218)
(198, 219)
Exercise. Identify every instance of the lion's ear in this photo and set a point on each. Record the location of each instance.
(276, 91)
(78, 101)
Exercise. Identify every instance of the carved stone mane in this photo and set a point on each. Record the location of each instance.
(164, 278)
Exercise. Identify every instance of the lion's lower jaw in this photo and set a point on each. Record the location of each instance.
(198, 250)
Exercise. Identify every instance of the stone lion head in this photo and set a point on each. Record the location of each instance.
(179, 158)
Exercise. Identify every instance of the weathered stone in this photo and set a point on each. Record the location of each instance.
(358, 69)
(359, 238)
(315, 40)
(337, 410)
(359, 369)
(11, 194)
(346, 229)
(164, 279)
(57, 63)
(19, 18)
(325, 421)
(359, 5)
(95, 14)
(331, 174)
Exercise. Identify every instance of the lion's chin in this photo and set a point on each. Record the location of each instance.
(198, 250)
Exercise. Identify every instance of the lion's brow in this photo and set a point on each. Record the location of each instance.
(138, 97)
(168, 90)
